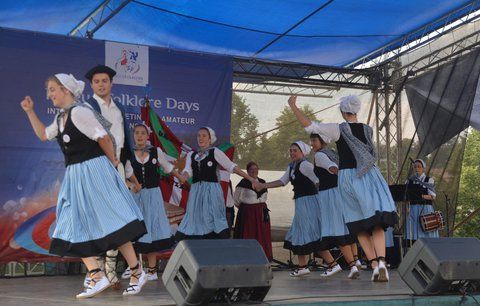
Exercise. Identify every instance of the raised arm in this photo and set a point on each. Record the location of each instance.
(304, 120)
(37, 125)
(328, 131)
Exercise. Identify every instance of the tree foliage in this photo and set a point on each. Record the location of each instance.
(469, 195)
(270, 151)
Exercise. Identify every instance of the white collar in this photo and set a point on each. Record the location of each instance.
(421, 177)
(101, 101)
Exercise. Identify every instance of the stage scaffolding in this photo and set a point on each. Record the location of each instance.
(383, 72)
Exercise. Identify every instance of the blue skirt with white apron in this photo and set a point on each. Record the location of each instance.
(159, 233)
(367, 200)
(205, 216)
(305, 234)
(334, 231)
(95, 211)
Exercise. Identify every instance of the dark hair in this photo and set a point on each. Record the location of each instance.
(350, 114)
(250, 164)
(296, 144)
(314, 135)
(204, 128)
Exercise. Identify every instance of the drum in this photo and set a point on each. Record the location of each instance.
(432, 222)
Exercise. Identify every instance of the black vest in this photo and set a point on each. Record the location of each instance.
(302, 185)
(147, 173)
(205, 170)
(75, 145)
(327, 180)
(423, 190)
(346, 158)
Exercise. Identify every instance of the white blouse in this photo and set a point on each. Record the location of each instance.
(162, 161)
(219, 156)
(328, 131)
(248, 196)
(83, 119)
(306, 168)
(322, 161)
(430, 181)
(114, 115)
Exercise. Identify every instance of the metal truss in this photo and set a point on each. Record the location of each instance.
(275, 88)
(285, 78)
(17, 269)
(98, 17)
(389, 127)
(389, 139)
(441, 55)
(419, 37)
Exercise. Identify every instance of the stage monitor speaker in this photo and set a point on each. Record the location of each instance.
(442, 265)
(218, 271)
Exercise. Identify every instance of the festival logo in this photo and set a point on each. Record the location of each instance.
(129, 61)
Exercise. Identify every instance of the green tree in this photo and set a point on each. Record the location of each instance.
(244, 127)
(469, 195)
(274, 149)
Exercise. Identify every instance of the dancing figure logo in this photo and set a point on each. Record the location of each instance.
(129, 61)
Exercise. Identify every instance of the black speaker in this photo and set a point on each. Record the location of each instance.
(218, 271)
(442, 265)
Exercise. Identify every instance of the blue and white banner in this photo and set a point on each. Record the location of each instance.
(187, 90)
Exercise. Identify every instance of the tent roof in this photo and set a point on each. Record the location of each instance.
(319, 32)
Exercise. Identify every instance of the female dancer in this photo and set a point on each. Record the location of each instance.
(253, 218)
(205, 217)
(334, 230)
(304, 235)
(368, 205)
(91, 188)
(145, 161)
(425, 192)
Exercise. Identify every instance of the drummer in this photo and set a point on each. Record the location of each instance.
(422, 192)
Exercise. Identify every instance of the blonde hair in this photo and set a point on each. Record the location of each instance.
(53, 78)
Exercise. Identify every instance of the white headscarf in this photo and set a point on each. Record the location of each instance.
(424, 165)
(350, 104)
(69, 82)
(213, 137)
(149, 130)
(303, 147)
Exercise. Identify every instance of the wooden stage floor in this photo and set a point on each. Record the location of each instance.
(61, 290)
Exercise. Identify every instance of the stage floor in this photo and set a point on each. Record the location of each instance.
(61, 290)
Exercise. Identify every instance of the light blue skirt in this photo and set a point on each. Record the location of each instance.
(413, 227)
(368, 201)
(158, 236)
(305, 233)
(95, 211)
(333, 228)
(205, 216)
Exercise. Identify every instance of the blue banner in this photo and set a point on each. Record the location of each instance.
(188, 90)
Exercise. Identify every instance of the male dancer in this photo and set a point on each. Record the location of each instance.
(101, 78)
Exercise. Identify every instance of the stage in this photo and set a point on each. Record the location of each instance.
(61, 290)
